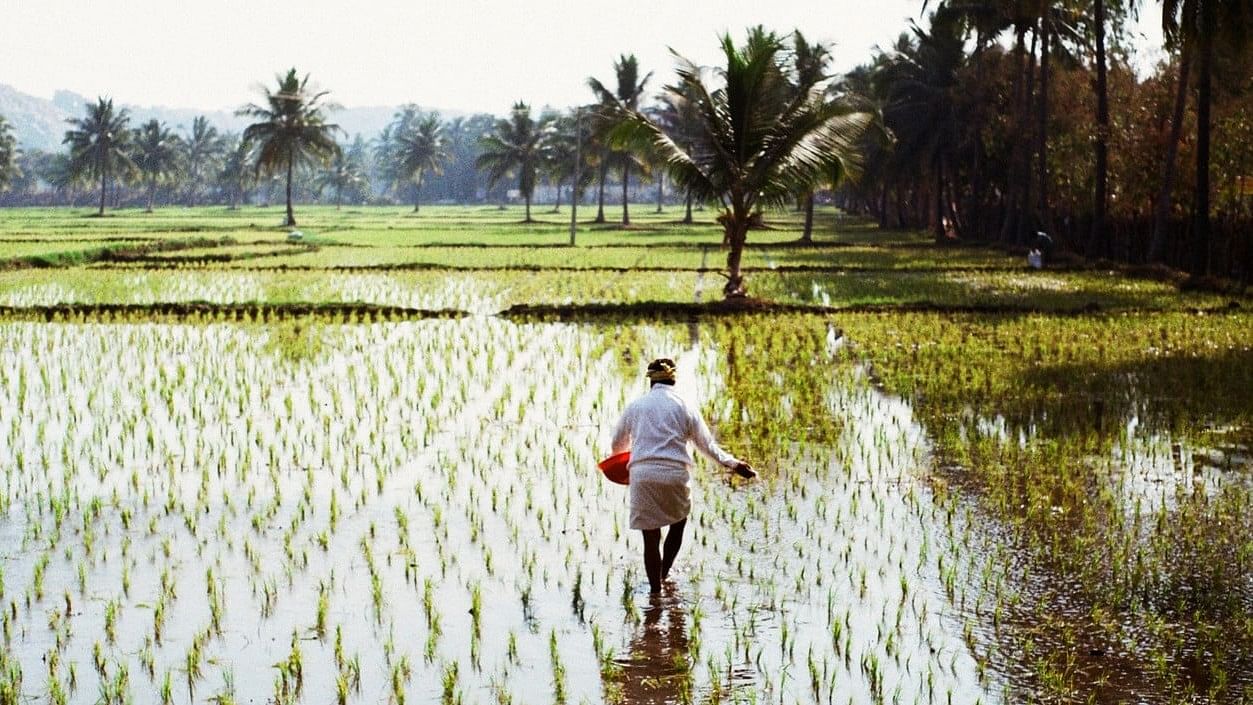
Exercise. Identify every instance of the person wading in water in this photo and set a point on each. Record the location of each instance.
(656, 429)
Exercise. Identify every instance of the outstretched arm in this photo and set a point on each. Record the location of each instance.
(705, 443)
(622, 433)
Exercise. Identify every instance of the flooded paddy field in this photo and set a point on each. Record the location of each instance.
(951, 510)
(239, 469)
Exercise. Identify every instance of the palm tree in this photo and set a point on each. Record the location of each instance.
(556, 152)
(291, 129)
(1100, 196)
(630, 88)
(762, 140)
(599, 157)
(1161, 209)
(654, 163)
(156, 155)
(99, 143)
(514, 147)
(8, 155)
(681, 120)
(920, 83)
(988, 19)
(202, 149)
(358, 155)
(565, 153)
(420, 150)
(233, 177)
(387, 148)
(345, 173)
(59, 172)
(1198, 24)
(810, 64)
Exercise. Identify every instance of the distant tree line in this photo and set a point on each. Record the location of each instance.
(1012, 118)
(156, 164)
(418, 158)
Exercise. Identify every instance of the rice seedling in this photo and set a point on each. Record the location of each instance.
(433, 482)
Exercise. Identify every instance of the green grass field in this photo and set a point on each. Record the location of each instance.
(390, 256)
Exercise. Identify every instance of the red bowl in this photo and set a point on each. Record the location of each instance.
(615, 468)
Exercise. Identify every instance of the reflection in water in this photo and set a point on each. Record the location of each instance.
(657, 666)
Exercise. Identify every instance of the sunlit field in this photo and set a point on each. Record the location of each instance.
(361, 467)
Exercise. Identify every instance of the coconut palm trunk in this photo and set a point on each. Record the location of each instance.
(807, 235)
(736, 233)
(152, 193)
(1100, 234)
(937, 199)
(291, 215)
(1042, 168)
(661, 183)
(600, 196)
(1013, 214)
(104, 176)
(1161, 210)
(687, 212)
(626, 184)
(1201, 245)
(417, 192)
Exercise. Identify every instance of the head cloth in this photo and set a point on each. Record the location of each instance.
(661, 370)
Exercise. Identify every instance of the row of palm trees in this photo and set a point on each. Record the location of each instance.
(763, 129)
(101, 146)
(975, 140)
(290, 131)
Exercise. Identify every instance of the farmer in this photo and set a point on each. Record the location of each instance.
(656, 428)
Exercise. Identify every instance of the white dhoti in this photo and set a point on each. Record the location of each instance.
(660, 494)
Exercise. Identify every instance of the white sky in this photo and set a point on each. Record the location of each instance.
(473, 55)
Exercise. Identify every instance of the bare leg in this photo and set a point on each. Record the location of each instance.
(674, 541)
(652, 559)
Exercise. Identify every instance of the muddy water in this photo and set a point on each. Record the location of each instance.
(432, 486)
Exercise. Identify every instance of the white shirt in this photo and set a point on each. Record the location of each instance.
(657, 426)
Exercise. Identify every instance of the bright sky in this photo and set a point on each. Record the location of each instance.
(453, 54)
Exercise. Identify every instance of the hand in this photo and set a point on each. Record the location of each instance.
(744, 470)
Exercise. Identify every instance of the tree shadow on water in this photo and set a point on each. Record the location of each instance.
(1176, 392)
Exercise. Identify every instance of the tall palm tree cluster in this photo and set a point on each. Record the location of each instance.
(414, 147)
(122, 162)
(1007, 119)
(104, 149)
(290, 130)
(765, 130)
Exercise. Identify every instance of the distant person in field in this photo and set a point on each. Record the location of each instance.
(656, 429)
